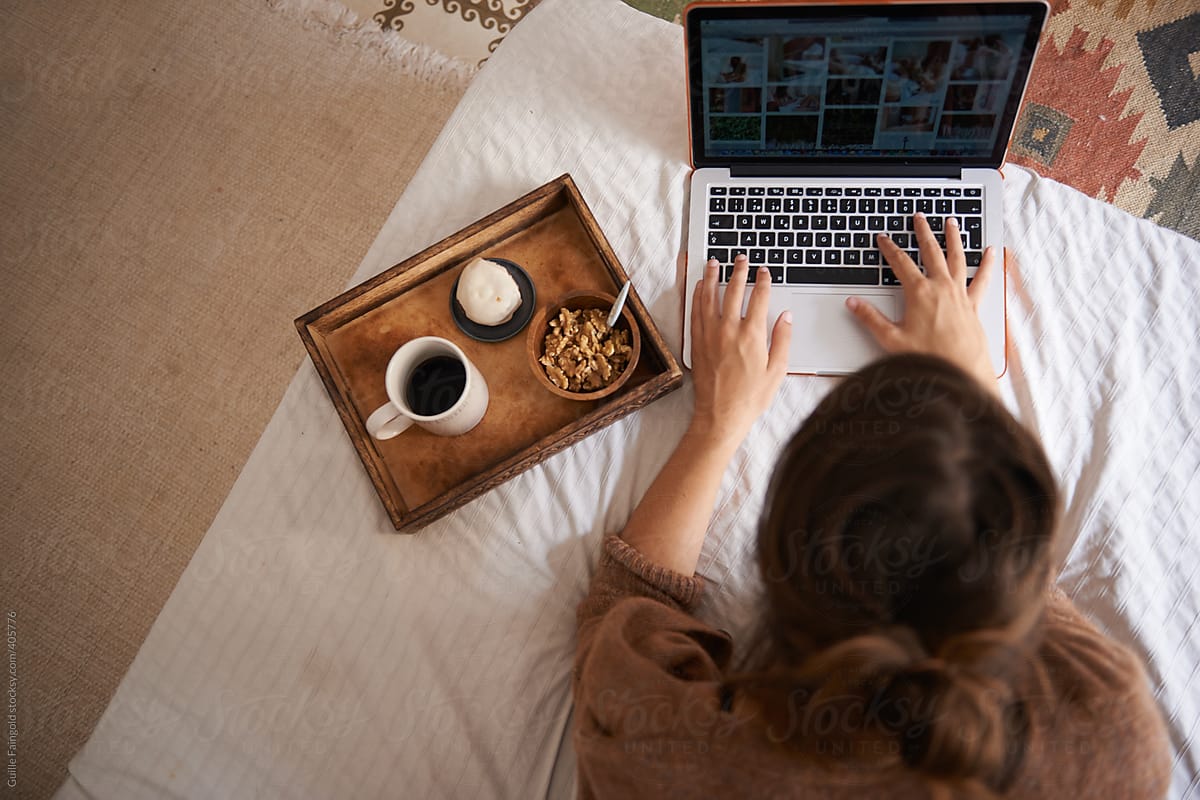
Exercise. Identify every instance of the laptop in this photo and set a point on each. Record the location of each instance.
(815, 127)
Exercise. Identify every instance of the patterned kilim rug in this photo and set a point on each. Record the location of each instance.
(1113, 107)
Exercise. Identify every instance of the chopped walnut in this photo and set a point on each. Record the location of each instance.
(581, 353)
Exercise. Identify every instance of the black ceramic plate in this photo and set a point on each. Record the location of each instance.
(507, 330)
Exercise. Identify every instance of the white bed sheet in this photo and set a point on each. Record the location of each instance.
(309, 651)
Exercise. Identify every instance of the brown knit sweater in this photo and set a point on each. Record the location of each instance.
(651, 721)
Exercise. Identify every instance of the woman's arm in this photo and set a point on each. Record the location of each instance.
(736, 377)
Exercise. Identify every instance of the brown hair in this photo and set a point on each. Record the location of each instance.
(905, 548)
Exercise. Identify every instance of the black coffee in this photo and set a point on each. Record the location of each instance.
(435, 385)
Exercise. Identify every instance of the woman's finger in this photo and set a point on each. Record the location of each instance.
(882, 328)
(982, 276)
(708, 298)
(781, 342)
(698, 309)
(932, 257)
(731, 309)
(898, 260)
(954, 252)
(760, 297)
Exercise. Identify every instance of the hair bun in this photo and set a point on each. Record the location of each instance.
(954, 716)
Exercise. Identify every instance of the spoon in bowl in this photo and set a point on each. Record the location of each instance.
(615, 314)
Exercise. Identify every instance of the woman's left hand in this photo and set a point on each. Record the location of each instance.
(736, 375)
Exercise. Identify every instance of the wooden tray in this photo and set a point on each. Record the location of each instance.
(419, 476)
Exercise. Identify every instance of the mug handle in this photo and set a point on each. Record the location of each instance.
(387, 422)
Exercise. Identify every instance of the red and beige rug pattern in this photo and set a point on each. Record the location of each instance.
(1113, 107)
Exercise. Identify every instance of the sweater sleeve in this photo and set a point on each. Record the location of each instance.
(1103, 710)
(625, 572)
(640, 655)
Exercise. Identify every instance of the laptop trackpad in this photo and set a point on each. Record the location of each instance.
(827, 337)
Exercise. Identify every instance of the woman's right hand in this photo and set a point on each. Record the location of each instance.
(940, 311)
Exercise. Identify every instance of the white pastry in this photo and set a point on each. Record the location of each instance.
(487, 293)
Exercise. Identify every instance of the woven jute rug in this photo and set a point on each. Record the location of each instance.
(1113, 107)
(180, 181)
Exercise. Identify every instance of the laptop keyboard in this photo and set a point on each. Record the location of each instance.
(826, 234)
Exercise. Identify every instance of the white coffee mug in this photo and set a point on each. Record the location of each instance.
(451, 391)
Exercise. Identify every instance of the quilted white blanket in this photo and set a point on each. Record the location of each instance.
(309, 651)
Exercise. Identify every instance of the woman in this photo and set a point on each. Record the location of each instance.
(911, 641)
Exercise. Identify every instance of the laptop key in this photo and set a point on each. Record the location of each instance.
(792, 205)
(782, 221)
(931, 192)
(889, 277)
(762, 220)
(891, 191)
(847, 206)
(852, 257)
(804, 239)
(943, 206)
(754, 205)
(758, 257)
(841, 240)
(737, 190)
(757, 190)
(775, 191)
(745, 221)
(722, 237)
(794, 191)
(716, 190)
(824, 239)
(862, 240)
(974, 240)
(895, 223)
(854, 191)
(775, 256)
(776, 274)
(814, 191)
(833, 256)
(912, 192)
(773, 205)
(875, 224)
(812, 256)
(887, 206)
(972, 192)
(866, 206)
(904, 206)
(795, 256)
(838, 223)
(974, 259)
(766, 239)
(853, 276)
(925, 205)
(870, 257)
(901, 240)
(952, 191)
(800, 222)
(811, 205)
(721, 221)
(720, 254)
(820, 222)
(829, 206)
(749, 239)
(833, 190)
(935, 223)
(872, 191)
(786, 238)
(717, 204)
(968, 206)
(972, 224)
(858, 223)
(736, 205)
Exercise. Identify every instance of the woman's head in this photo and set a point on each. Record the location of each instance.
(905, 548)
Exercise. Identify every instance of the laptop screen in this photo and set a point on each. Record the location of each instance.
(906, 83)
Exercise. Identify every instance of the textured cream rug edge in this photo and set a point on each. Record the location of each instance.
(415, 59)
(181, 182)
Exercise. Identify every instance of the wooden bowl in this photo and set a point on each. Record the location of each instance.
(539, 326)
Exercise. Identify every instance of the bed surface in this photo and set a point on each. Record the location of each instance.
(309, 651)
